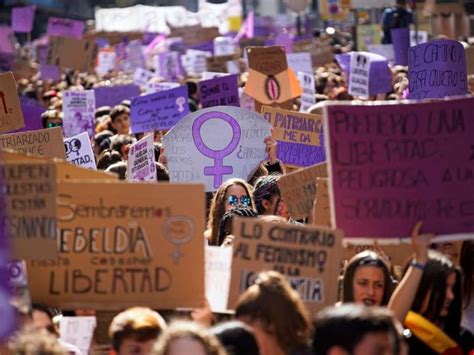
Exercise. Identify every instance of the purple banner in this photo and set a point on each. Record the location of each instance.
(437, 69)
(113, 95)
(223, 91)
(396, 164)
(159, 111)
(22, 18)
(65, 27)
(401, 44)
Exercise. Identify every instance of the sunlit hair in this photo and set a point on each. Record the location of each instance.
(278, 308)
(431, 293)
(188, 330)
(365, 258)
(139, 323)
(217, 209)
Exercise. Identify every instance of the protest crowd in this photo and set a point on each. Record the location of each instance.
(272, 188)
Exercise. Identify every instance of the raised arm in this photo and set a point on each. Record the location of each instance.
(403, 296)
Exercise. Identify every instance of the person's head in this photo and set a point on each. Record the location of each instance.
(183, 338)
(36, 341)
(225, 225)
(237, 338)
(355, 329)
(271, 305)
(438, 297)
(162, 173)
(367, 280)
(119, 168)
(232, 193)
(135, 330)
(43, 317)
(121, 143)
(51, 118)
(120, 116)
(267, 197)
(102, 141)
(107, 158)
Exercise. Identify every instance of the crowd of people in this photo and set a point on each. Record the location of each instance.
(426, 308)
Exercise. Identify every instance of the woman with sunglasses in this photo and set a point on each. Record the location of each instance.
(367, 280)
(231, 194)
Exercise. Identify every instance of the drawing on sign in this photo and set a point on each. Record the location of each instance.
(72, 146)
(180, 101)
(272, 88)
(178, 230)
(218, 170)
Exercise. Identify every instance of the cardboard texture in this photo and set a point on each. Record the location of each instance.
(322, 210)
(395, 164)
(320, 50)
(65, 27)
(470, 60)
(299, 136)
(30, 205)
(11, 116)
(437, 69)
(79, 151)
(219, 63)
(120, 247)
(298, 189)
(313, 254)
(70, 53)
(24, 68)
(195, 153)
(42, 143)
(270, 81)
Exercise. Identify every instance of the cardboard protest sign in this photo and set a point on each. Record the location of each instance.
(418, 37)
(134, 57)
(6, 44)
(141, 160)
(168, 65)
(270, 82)
(70, 53)
(7, 62)
(11, 117)
(142, 76)
(79, 151)
(79, 112)
(221, 91)
(160, 86)
(43, 143)
(401, 43)
(106, 61)
(322, 211)
(218, 270)
(24, 67)
(307, 83)
(192, 35)
(22, 18)
(300, 62)
(194, 62)
(160, 111)
(384, 50)
(309, 256)
(320, 50)
(437, 69)
(113, 95)
(195, 153)
(30, 206)
(123, 245)
(65, 27)
(78, 331)
(223, 46)
(299, 136)
(399, 254)
(220, 64)
(298, 189)
(394, 165)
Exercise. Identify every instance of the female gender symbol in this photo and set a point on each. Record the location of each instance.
(218, 170)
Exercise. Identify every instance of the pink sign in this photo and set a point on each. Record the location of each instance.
(22, 18)
(393, 165)
(65, 27)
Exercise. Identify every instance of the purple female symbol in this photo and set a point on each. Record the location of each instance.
(218, 170)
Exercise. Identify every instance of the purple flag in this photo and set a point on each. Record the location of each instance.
(65, 27)
(401, 44)
(113, 95)
(437, 69)
(221, 91)
(22, 18)
(159, 111)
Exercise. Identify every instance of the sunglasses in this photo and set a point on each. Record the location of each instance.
(234, 200)
(54, 124)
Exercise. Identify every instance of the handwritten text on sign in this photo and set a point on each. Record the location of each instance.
(437, 69)
(393, 165)
(221, 91)
(310, 258)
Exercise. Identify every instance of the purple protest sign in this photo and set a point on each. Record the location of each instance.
(50, 72)
(113, 95)
(223, 91)
(6, 45)
(22, 18)
(437, 69)
(7, 61)
(168, 65)
(78, 109)
(159, 111)
(32, 111)
(284, 39)
(395, 164)
(401, 44)
(203, 46)
(64, 27)
(226, 142)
